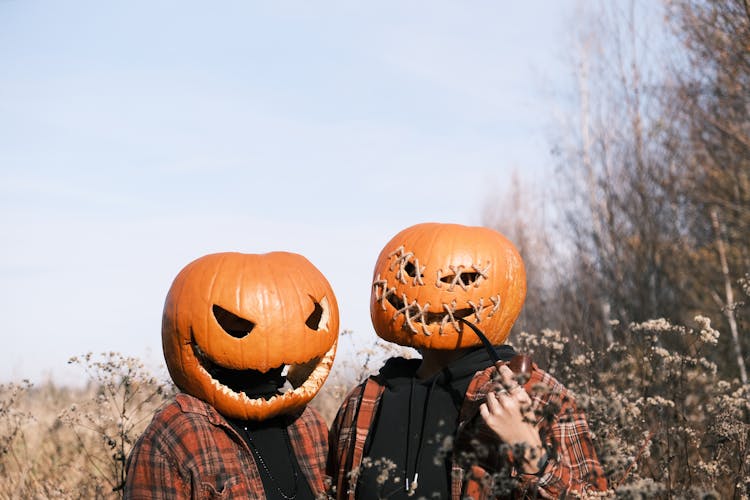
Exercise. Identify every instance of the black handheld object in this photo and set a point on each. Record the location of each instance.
(485, 341)
(520, 364)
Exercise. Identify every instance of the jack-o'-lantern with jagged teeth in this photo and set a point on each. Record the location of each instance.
(237, 326)
(431, 277)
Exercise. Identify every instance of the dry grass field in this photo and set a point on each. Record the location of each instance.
(666, 425)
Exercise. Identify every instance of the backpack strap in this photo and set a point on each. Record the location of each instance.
(365, 416)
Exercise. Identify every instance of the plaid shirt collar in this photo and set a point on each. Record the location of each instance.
(190, 404)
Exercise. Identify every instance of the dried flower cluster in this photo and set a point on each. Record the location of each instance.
(665, 424)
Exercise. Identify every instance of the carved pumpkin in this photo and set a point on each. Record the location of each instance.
(431, 275)
(231, 318)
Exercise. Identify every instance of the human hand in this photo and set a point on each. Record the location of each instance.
(509, 413)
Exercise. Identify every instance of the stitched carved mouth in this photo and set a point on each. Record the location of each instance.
(429, 317)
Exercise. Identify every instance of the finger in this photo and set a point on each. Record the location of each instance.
(492, 403)
(508, 403)
(506, 376)
(520, 394)
(513, 388)
(484, 411)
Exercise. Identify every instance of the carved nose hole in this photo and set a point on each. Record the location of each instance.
(231, 323)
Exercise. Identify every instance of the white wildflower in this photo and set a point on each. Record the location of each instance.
(659, 401)
(660, 351)
(707, 335)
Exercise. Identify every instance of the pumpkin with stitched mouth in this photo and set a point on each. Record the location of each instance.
(235, 321)
(431, 277)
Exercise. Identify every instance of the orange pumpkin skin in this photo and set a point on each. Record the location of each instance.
(294, 317)
(430, 275)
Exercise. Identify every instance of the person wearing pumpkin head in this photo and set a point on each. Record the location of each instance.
(232, 325)
(457, 423)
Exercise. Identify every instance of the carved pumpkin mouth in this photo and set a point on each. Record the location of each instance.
(419, 317)
(255, 387)
(254, 383)
(413, 311)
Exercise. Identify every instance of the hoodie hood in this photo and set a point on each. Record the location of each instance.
(397, 372)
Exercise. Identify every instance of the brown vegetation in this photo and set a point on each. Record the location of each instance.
(72, 443)
(666, 424)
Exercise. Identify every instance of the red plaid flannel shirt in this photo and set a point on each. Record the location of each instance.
(190, 451)
(572, 469)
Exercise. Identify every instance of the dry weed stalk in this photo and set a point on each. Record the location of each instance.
(12, 422)
(125, 400)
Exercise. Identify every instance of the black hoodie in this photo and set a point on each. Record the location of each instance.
(414, 427)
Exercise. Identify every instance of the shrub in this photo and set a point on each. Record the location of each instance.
(665, 424)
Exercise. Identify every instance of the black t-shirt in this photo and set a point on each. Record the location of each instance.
(274, 456)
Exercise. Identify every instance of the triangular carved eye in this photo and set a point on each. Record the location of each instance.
(318, 319)
(231, 323)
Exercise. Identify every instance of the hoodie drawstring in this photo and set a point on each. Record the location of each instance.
(418, 459)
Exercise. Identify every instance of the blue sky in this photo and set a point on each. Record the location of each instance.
(137, 136)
